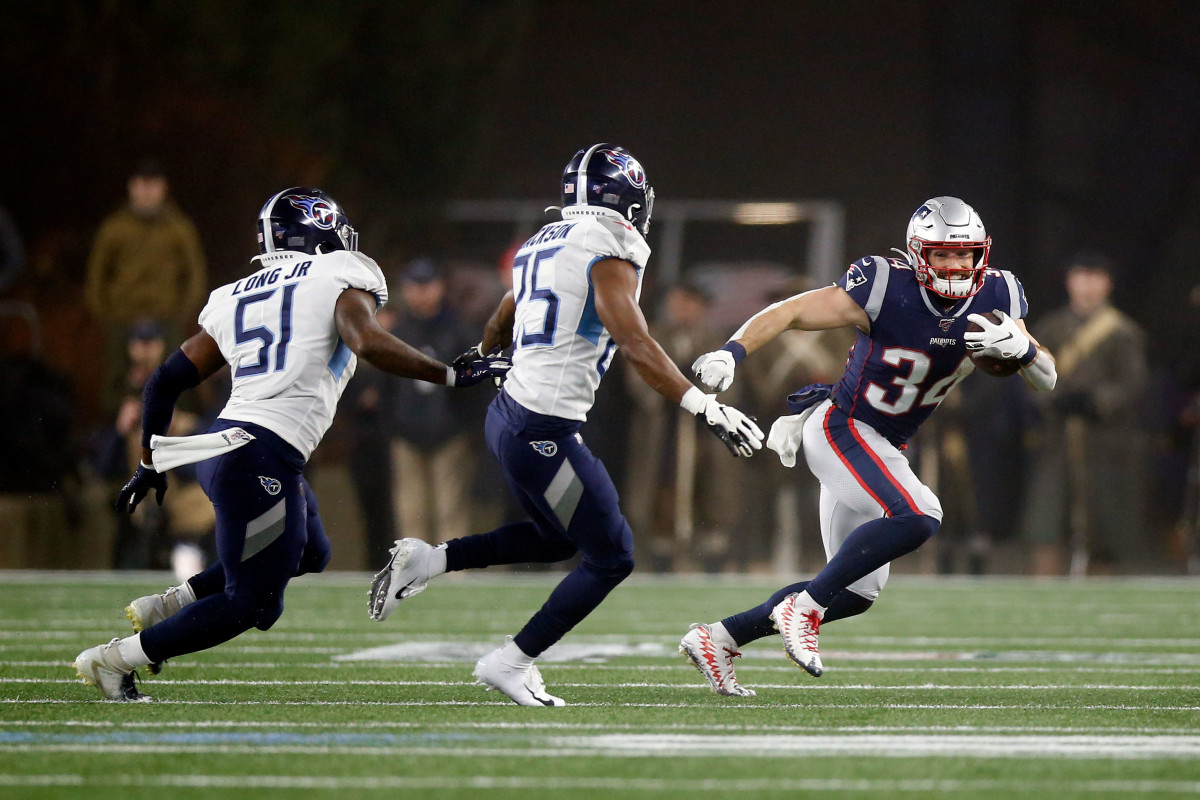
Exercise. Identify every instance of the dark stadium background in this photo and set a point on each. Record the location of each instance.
(1068, 125)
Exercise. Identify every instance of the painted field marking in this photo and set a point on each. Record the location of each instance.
(622, 745)
(739, 707)
(627, 786)
(807, 686)
(1097, 730)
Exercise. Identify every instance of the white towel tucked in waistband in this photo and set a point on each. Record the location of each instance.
(787, 434)
(170, 452)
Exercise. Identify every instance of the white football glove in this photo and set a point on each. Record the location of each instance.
(1004, 340)
(715, 369)
(735, 429)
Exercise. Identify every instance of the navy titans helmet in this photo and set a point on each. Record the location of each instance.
(304, 219)
(608, 176)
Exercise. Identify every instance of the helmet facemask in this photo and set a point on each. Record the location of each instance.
(947, 223)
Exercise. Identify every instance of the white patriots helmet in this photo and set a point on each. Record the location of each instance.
(947, 223)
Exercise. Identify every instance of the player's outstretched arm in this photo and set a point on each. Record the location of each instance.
(499, 329)
(615, 286)
(818, 310)
(195, 360)
(354, 316)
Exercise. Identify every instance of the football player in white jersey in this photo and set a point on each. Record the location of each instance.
(291, 332)
(576, 285)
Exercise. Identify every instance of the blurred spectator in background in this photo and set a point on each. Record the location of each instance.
(370, 457)
(785, 502)
(680, 487)
(1085, 486)
(38, 458)
(431, 455)
(153, 537)
(146, 264)
(12, 250)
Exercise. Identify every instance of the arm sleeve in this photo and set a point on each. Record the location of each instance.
(169, 381)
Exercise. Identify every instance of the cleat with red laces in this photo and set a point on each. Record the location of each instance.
(798, 623)
(713, 659)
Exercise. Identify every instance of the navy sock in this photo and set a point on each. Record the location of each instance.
(576, 596)
(209, 582)
(520, 543)
(206, 623)
(867, 548)
(755, 623)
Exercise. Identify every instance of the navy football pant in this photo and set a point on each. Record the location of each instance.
(268, 531)
(572, 505)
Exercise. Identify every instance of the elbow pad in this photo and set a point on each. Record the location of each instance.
(1040, 373)
(169, 381)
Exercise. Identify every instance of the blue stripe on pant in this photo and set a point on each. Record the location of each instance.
(267, 532)
(572, 504)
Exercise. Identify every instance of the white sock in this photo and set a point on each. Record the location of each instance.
(514, 656)
(186, 593)
(437, 561)
(805, 599)
(721, 635)
(131, 651)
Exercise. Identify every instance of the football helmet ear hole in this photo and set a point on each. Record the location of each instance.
(608, 176)
(306, 220)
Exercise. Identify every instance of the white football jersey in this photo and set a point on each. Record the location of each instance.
(561, 349)
(276, 329)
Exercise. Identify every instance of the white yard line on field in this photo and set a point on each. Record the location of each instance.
(621, 745)
(807, 686)
(622, 786)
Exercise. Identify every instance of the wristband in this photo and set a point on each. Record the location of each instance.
(450, 377)
(693, 401)
(736, 348)
(1029, 356)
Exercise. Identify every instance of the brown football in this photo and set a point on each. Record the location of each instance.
(990, 365)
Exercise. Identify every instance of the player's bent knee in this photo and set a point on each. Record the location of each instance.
(315, 557)
(919, 528)
(612, 570)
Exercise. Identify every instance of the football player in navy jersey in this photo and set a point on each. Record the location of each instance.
(576, 285)
(291, 333)
(913, 347)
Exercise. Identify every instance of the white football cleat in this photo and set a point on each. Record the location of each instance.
(406, 574)
(521, 684)
(715, 661)
(799, 624)
(151, 610)
(154, 608)
(103, 667)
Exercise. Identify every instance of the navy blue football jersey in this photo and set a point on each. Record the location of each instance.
(915, 353)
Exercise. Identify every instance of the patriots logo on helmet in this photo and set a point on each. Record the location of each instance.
(923, 212)
(629, 166)
(319, 211)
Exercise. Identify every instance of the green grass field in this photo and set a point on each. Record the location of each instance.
(1004, 688)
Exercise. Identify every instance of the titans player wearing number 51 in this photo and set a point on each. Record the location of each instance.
(575, 294)
(291, 333)
(914, 319)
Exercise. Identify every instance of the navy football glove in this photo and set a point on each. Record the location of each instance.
(139, 486)
(473, 367)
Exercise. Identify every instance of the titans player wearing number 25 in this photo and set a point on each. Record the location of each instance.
(913, 347)
(576, 285)
(291, 333)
